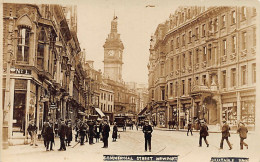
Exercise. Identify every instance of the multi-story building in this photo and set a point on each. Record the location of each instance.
(202, 65)
(41, 67)
(106, 102)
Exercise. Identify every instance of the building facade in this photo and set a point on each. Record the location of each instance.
(41, 67)
(202, 65)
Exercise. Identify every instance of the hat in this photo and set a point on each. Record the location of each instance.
(224, 121)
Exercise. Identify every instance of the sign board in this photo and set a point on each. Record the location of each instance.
(53, 106)
(228, 105)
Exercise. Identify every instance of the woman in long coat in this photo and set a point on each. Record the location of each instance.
(114, 135)
(69, 134)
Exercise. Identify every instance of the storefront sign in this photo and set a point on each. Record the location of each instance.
(228, 105)
(21, 71)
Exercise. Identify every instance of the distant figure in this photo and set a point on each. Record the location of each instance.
(225, 135)
(69, 134)
(91, 132)
(105, 134)
(82, 132)
(189, 128)
(147, 130)
(114, 135)
(97, 132)
(242, 130)
(32, 130)
(203, 133)
(56, 128)
(49, 136)
(62, 134)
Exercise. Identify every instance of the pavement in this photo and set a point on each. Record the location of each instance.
(131, 142)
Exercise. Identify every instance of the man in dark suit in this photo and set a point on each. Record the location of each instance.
(147, 130)
(203, 133)
(225, 135)
(189, 128)
(242, 130)
(91, 131)
(105, 134)
(62, 134)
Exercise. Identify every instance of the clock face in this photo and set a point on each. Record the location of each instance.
(111, 53)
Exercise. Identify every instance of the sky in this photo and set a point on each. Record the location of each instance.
(136, 24)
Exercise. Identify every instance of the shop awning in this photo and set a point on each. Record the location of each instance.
(142, 112)
(100, 112)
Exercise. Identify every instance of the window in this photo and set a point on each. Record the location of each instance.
(171, 64)
(172, 45)
(101, 106)
(183, 60)
(163, 94)
(176, 89)
(210, 25)
(183, 87)
(188, 14)
(243, 13)
(190, 35)
(104, 96)
(224, 79)
(234, 44)
(197, 33)
(233, 77)
(205, 53)
(233, 17)
(209, 52)
(223, 21)
(243, 71)
(152, 93)
(177, 63)
(254, 73)
(189, 85)
(204, 80)
(203, 30)
(183, 40)
(197, 81)
(244, 40)
(197, 55)
(171, 89)
(254, 36)
(177, 42)
(254, 11)
(190, 58)
(224, 46)
(41, 49)
(216, 25)
(23, 45)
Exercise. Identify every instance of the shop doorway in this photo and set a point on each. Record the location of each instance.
(19, 112)
(210, 110)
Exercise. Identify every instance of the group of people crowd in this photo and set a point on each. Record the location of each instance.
(85, 131)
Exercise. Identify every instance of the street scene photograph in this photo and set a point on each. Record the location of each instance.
(129, 80)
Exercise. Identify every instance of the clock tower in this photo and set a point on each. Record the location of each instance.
(113, 53)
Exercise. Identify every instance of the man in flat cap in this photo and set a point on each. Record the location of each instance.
(147, 130)
(242, 130)
(225, 135)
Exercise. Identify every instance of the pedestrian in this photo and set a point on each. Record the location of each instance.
(97, 132)
(203, 133)
(225, 135)
(44, 132)
(105, 134)
(62, 134)
(91, 132)
(82, 132)
(56, 128)
(32, 130)
(101, 130)
(136, 124)
(69, 134)
(242, 130)
(49, 136)
(147, 130)
(77, 130)
(189, 128)
(114, 134)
